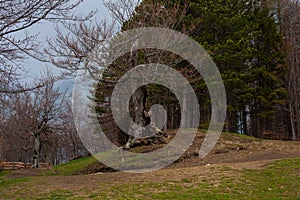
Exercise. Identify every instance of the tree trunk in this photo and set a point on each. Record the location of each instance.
(37, 150)
(245, 122)
(138, 134)
(184, 114)
(292, 122)
(139, 118)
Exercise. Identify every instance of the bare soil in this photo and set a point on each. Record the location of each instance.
(231, 150)
(82, 185)
(25, 173)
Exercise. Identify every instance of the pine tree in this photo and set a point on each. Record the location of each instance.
(243, 39)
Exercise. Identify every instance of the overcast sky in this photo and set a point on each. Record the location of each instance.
(47, 29)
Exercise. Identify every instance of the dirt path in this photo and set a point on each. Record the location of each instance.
(81, 185)
(228, 159)
(231, 150)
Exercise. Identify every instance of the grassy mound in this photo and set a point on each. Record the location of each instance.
(74, 166)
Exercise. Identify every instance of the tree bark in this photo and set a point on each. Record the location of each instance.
(37, 150)
(139, 118)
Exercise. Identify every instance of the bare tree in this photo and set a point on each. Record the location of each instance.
(13, 121)
(288, 16)
(36, 115)
(72, 142)
(70, 51)
(122, 10)
(16, 17)
(73, 51)
(38, 124)
(292, 31)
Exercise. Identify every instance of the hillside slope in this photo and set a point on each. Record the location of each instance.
(239, 167)
(230, 148)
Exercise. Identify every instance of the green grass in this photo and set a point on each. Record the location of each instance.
(74, 166)
(280, 180)
(77, 165)
(6, 182)
(234, 136)
(3, 173)
(58, 194)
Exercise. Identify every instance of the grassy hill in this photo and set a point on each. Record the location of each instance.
(239, 167)
(230, 148)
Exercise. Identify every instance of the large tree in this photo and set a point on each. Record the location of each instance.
(243, 39)
(241, 36)
(73, 51)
